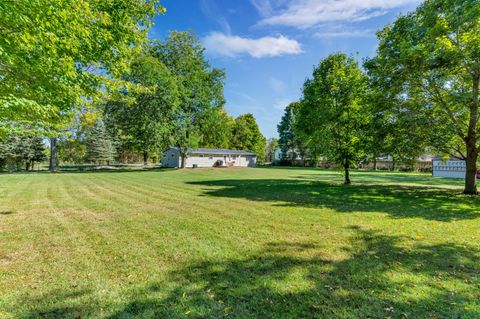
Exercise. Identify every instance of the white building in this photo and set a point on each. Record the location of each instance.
(451, 168)
(277, 155)
(205, 157)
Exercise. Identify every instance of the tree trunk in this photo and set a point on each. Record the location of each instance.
(182, 154)
(27, 165)
(347, 173)
(471, 142)
(471, 174)
(145, 158)
(393, 164)
(53, 155)
(374, 162)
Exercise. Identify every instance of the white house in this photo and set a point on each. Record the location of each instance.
(452, 168)
(277, 155)
(206, 157)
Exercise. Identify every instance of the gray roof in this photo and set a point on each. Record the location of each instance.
(219, 151)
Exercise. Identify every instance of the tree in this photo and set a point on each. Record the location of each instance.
(432, 55)
(215, 128)
(272, 146)
(21, 150)
(247, 135)
(287, 134)
(147, 122)
(394, 128)
(37, 153)
(199, 85)
(292, 144)
(56, 55)
(100, 148)
(332, 112)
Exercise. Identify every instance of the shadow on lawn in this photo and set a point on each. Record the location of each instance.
(399, 201)
(380, 276)
(61, 303)
(378, 279)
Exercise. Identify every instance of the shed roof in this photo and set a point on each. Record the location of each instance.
(219, 151)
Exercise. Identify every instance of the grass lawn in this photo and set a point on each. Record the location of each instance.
(237, 243)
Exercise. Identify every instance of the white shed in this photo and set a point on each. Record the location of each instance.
(452, 168)
(207, 157)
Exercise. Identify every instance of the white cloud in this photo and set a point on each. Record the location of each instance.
(211, 11)
(309, 13)
(277, 85)
(264, 7)
(232, 46)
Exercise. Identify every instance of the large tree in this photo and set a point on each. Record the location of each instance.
(200, 86)
(55, 52)
(432, 56)
(215, 128)
(332, 113)
(394, 127)
(56, 55)
(247, 135)
(144, 119)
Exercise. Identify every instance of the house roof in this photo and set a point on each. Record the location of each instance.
(219, 151)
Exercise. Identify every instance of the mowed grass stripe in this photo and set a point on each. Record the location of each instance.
(251, 243)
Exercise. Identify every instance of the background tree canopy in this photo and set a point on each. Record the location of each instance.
(48, 68)
(432, 58)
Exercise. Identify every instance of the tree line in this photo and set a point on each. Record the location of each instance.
(101, 91)
(176, 99)
(420, 91)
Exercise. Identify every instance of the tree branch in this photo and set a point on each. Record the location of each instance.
(439, 99)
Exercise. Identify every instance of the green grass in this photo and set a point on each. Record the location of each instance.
(237, 243)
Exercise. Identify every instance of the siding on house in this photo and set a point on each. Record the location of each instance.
(209, 157)
(171, 158)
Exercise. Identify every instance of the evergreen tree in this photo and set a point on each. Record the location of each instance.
(292, 144)
(286, 134)
(100, 148)
(38, 150)
(20, 151)
(272, 145)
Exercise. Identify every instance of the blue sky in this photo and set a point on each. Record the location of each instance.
(269, 47)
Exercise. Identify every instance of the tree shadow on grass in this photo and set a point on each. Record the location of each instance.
(399, 201)
(59, 303)
(378, 278)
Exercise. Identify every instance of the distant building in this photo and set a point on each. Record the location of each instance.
(278, 155)
(449, 168)
(206, 157)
